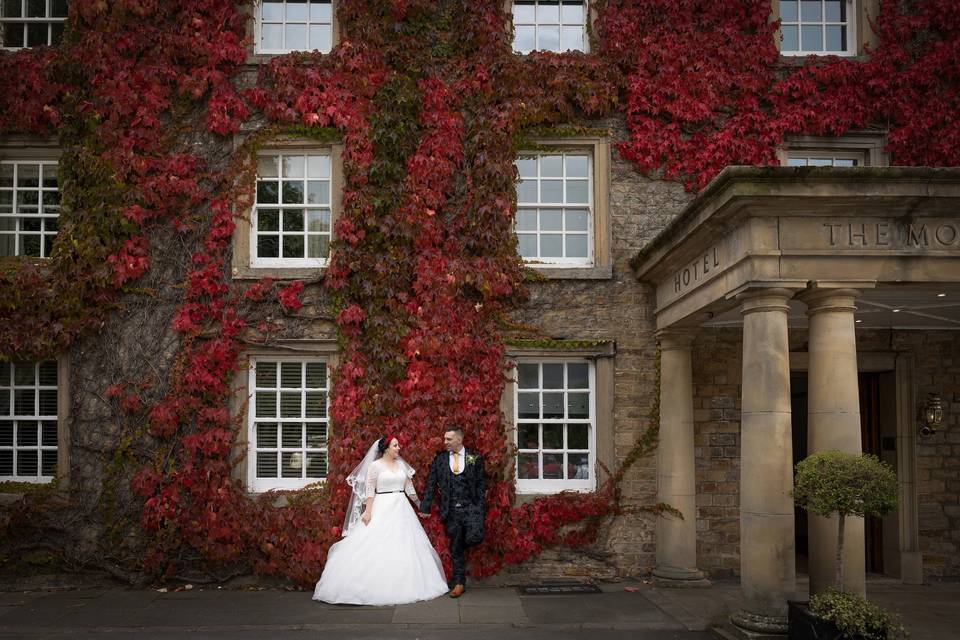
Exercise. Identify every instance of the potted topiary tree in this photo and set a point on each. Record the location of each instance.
(844, 485)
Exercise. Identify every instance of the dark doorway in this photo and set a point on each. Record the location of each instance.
(876, 400)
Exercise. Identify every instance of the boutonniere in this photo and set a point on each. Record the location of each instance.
(471, 458)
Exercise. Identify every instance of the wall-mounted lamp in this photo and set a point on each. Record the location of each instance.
(932, 415)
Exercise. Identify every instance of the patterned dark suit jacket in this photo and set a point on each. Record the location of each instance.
(441, 476)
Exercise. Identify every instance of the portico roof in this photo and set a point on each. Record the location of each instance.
(865, 227)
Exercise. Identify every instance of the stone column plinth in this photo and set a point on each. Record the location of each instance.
(833, 422)
(767, 562)
(676, 486)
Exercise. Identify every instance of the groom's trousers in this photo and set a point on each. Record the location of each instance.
(456, 531)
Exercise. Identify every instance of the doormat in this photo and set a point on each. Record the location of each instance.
(558, 588)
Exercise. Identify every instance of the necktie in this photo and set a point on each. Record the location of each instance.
(456, 463)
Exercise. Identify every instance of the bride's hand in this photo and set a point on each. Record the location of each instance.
(365, 517)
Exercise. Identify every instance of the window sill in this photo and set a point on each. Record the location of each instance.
(801, 60)
(278, 273)
(602, 272)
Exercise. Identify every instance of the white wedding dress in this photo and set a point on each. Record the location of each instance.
(389, 561)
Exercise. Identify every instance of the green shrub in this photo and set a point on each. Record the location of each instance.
(855, 616)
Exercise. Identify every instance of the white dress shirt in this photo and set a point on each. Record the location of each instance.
(462, 462)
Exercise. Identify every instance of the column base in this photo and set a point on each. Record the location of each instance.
(756, 626)
(677, 577)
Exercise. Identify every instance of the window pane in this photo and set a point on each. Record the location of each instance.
(49, 173)
(5, 404)
(266, 404)
(577, 166)
(318, 192)
(59, 8)
(810, 11)
(577, 246)
(320, 11)
(293, 247)
(268, 192)
(551, 191)
(578, 191)
(820, 162)
(553, 375)
(6, 433)
(316, 404)
(528, 436)
(292, 464)
(578, 466)
(551, 166)
(576, 219)
(578, 375)
(48, 373)
(578, 405)
(527, 246)
(50, 202)
(796, 162)
(268, 246)
(552, 405)
(528, 466)
(295, 37)
(528, 405)
(271, 37)
(48, 433)
(28, 176)
(553, 436)
(292, 219)
(316, 435)
(524, 38)
(11, 8)
(317, 465)
(268, 220)
(297, 10)
(548, 11)
(572, 13)
(291, 375)
(48, 464)
(790, 38)
(321, 38)
(788, 10)
(527, 376)
(318, 166)
(844, 162)
(290, 407)
(291, 435)
(526, 167)
(6, 463)
(835, 10)
(266, 465)
(27, 463)
(551, 246)
(48, 402)
(28, 202)
(267, 167)
(526, 220)
(552, 466)
(318, 247)
(272, 11)
(524, 13)
(527, 191)
(549, 39)
(27, 435)
(292, 192)
(551, 220)
(836, 38)
(37, 35)
(318, 221)
(578, 436)
(571, 39)
(24, 402)
(266, 435)
(316, 375)
(812, 38)
(36, 8)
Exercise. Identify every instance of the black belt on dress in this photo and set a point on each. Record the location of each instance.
(398, 491)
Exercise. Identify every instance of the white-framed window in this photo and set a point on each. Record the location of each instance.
(292, 216)
(824, 27)
(283, 26)
(555, 413)
(29, 207)
(825, 159)
(550, 25)
(28, 421)
(31, 23)
(287, 422)
(555, 208)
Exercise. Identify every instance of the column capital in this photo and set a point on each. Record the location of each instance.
(676, 338)
(757, 299)
(819, 299)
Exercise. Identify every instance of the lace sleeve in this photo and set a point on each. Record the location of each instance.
(411, 492)
(371, 484)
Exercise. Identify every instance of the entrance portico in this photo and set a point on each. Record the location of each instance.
(759, 248)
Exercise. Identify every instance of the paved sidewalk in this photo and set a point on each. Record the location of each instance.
(628, 609)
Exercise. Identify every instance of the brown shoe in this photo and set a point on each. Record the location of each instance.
(457, 591)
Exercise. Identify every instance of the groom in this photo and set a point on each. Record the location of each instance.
(459, 476)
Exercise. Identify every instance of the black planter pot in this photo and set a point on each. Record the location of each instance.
(803, 625)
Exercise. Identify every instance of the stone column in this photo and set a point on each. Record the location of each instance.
(767, 562)
(833, 422)
(676, 485)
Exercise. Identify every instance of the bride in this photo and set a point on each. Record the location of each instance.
(385, 557)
